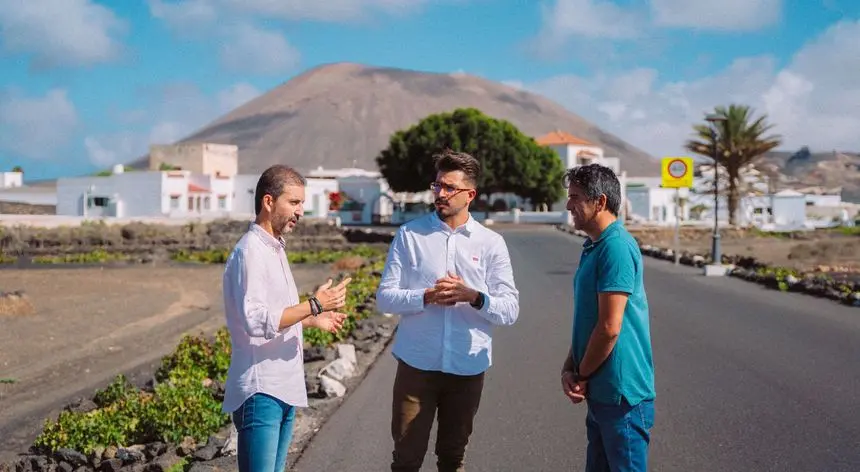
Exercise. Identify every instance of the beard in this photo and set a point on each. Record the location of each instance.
(282, 223)
(444, 208)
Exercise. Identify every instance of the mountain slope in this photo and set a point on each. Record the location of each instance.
(342, 115)
(827, 170)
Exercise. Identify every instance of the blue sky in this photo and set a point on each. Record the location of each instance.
(90, 83)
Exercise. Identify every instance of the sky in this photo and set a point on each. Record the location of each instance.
(86, 84)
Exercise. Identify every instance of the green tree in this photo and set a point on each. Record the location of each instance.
(547, 187)
(18, 169)
(511, 161)
(738, 139)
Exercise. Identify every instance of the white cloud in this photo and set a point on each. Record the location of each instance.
(590, 19)
(730, 15)
(593, 29)
(254, 50)
(814, 100)
(186, 18)
(179, 110)
(36, 127)
(329, 10)
(60, 33)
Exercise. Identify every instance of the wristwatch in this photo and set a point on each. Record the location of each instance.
(480, 303)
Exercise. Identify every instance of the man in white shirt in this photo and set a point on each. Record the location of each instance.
(266, 380)
(450, 280)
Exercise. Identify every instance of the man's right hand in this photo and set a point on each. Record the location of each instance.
(332, 298)
(573, 390)
(432, 296)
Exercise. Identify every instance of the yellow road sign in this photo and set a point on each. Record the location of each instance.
(677, 172)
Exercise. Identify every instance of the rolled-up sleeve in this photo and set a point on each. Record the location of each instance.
(502, 306)
(248, 278)
(393, 296)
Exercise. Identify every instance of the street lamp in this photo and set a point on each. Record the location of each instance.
(716, 253)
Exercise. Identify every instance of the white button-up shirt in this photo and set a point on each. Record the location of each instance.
(258, 286)
(455, 339)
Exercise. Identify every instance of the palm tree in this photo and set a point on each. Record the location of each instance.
(739, 140)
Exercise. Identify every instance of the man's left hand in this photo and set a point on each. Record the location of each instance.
(452, 289)
(330, 321)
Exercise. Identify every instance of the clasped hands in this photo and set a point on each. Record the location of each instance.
(574, 390)
(450, 290)
(331, 298)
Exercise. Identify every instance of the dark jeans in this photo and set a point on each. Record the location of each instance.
(618, 436)
(418, 395)
(265, 427)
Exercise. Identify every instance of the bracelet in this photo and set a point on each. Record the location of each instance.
(316, 306)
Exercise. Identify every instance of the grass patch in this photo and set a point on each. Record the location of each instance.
(325, 256)
(97, 256)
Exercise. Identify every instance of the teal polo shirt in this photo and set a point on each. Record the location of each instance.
(613, 263)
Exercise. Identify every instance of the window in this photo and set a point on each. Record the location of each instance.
(174, 202)
(98, 202)
(222, 202)
(190, 203)
(206, 203)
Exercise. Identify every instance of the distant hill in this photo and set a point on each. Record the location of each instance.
(342, 115)
(826, 170)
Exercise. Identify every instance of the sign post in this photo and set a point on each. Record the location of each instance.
(677, 173)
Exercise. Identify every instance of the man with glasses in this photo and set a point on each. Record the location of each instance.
(450, 280)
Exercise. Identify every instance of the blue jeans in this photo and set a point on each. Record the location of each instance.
(265, 427)
(618, 436)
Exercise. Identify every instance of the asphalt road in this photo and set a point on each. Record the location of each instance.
(748, 379)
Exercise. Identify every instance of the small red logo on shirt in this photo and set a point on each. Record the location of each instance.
(474, 258)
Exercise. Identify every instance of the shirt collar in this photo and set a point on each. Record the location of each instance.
(266, 237)
(468, 227)
(613, 227)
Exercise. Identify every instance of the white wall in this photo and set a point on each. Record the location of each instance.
(656, 205)
(824, 200)
(244, 186)
(138, 192)
(28, 195)
(789, 211)
(316, 196)
(11, 179)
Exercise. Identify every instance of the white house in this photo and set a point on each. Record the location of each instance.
(648, 202)
(11, 179)
(145, 193)
(369, 200)
(576, 152)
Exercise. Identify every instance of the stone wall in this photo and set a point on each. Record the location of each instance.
(13, 208)
(138, 238)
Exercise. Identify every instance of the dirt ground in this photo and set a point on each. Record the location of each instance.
(91, 324)
(827, 251)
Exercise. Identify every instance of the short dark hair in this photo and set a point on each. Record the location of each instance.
(596, 180)
(450, 161)
(273, 181)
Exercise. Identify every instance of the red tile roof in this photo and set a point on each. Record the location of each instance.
(197, 189)
(560, 137)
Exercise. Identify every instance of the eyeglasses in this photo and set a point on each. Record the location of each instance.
(436, 187)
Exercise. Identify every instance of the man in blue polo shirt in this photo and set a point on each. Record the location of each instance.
(609, 364)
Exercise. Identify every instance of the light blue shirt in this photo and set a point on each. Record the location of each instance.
(613, 263)
(455, 339)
